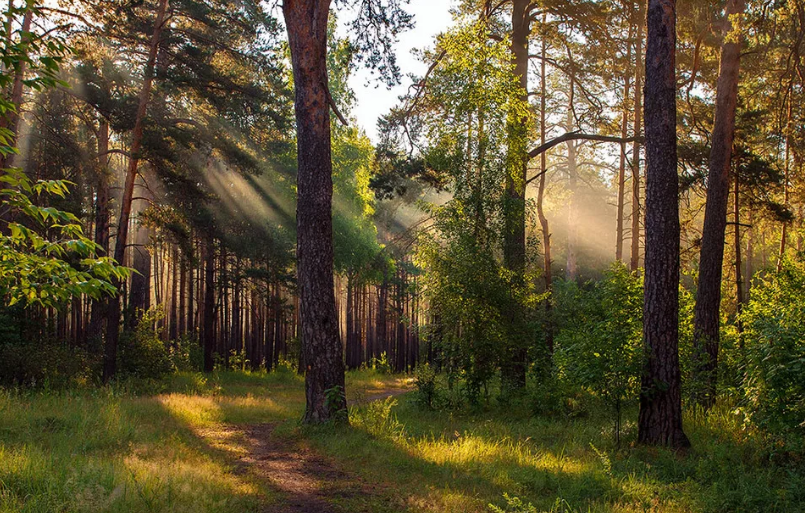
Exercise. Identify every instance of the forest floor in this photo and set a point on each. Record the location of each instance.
(232, 442)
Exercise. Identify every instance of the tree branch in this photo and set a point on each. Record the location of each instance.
(579, 136)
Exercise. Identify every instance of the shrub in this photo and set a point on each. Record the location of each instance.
(425, 381)
(141, 353)
(600, 347)
(774, 338)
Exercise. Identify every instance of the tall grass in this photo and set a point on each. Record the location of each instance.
(117, 450)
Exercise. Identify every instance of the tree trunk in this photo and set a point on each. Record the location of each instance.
(514, 365)
(543, 221)
(113, 319)
(660, 417)
(11, 119)
(786, 180)
(97, 308)
(208, 334)
(624, 134)
(571, 267)
(634, 261)
(711, 261)
(739, 294)
(306, 22)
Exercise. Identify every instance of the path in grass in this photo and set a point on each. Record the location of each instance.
(305, 481)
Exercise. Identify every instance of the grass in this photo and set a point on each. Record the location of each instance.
(113, 450)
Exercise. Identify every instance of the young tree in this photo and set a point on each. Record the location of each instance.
(708, 299)
(660, 417)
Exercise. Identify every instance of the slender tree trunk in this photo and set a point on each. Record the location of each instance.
(543, 221)
(306, 21)
(739, 295)
(182, 327)
(634, 261)
(113, 310)
(786, 180)
(711, 260)
(11, 119)
(660, 417)
(750, 255)
(624, 134)
(208, 334)
(571, 267)
(97, 308)
(140, 291)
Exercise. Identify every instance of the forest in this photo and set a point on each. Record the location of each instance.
(565, 272)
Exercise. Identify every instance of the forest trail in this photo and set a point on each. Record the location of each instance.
(304, 481)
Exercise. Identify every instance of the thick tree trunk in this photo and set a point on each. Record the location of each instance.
(306, 21)
(513, 369)
(634, 261)
(113, 310)
(660, 418)
(711, 261)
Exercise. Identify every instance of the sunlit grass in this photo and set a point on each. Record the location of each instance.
(111, 450)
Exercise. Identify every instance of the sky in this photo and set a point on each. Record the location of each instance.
(375, 99)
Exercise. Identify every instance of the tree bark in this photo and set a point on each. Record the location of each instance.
(113, 310)
(660, 417)
(97, 307)
(514, 365)
(208, 332)
(306, 21)
(624, 134)
(543, 221)
(634, 260)
(711, 261)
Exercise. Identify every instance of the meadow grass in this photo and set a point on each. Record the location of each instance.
(116, 450)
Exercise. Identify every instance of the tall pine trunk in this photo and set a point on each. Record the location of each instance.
(660, 417)
(306, 21)
(634, 260)
(114, 307)
(711, 261)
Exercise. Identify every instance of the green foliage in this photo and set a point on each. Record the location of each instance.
(44, 257)
(382, 364)
(774, 338)
(425, 382)
(514, 505)
(141, 353)
(377, 418)
(600, 344)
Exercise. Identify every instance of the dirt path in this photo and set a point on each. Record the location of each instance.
(307, 482)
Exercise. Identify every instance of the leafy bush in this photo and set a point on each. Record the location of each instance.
(29, 358)
(774, 337)
(141, 353)
(600, 345)
(186, 354)
(425, 381)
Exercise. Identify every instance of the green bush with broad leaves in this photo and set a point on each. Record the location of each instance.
(774, 345)
(599, 347)
(45, 259)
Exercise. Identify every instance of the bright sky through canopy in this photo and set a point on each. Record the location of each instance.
(375, 99)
